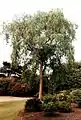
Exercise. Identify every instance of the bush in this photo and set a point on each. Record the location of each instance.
(18, 89)
(64, 96)
(64, 77)
(57, 102)
(13, 87)
(64, 106)
(50, 98)
(4, 83)
(50, 108)
(50, 104)
(33, 105)
(79, 103)
(75, 95)
(64, 101)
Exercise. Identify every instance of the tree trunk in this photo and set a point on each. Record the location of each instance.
(41, 82)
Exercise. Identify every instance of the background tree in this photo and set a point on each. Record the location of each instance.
(46, 37)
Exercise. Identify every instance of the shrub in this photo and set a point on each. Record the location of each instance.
(79, 103)
(50, 98)
(50, 108)
(75, 95)
(13, 87)
(50, 104)
(18, 89)
(57, 102)
(65, 76)
(33, 105)
(64, 106)
(64, 96)
(4, 83)
(64, 101)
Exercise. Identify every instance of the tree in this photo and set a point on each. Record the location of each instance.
(45, 37)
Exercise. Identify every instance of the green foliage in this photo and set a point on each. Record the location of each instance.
(65, 77)
(50, 108)
(31, 79)
(64, 106)
(33, 105)
(45, 36)
(57, 102)
(64, 96)
(75, 95)
(64, 101)
(42, 39)
(49, 98)
(50, 104)
(58, 79)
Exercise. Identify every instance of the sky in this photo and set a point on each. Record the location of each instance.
(11, 8)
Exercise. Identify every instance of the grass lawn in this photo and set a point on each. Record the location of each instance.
(9, 110)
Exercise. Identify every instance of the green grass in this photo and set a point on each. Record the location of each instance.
(9, 110)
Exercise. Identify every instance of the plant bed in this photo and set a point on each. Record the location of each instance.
(76, 115)
(49, 113)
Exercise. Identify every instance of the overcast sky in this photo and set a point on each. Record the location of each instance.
(10, 8)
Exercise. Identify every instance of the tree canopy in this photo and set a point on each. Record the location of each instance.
(43, 38)
(48, 33)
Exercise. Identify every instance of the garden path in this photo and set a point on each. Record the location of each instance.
(10, 98)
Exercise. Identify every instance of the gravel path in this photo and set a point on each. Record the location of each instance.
(9, 98)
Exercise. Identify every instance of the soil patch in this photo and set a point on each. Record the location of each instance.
(74, 115)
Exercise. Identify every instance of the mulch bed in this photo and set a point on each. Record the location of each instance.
(74, 115)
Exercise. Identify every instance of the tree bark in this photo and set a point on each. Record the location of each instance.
(41, 82)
